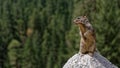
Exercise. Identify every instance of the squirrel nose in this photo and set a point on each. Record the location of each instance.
(75, 21)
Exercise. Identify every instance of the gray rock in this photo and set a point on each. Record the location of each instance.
(85, 61)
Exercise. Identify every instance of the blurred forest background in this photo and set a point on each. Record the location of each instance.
(41, 33)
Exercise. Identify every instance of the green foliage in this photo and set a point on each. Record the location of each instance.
(14, 50)
(48, 37)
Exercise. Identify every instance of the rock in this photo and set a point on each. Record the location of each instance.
(85, 61)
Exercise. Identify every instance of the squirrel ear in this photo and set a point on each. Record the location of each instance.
(84, 16)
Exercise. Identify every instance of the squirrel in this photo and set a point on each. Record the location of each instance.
(88, 37)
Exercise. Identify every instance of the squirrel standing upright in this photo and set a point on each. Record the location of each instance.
(87, 33)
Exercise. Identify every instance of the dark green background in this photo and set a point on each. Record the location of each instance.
(41, 33)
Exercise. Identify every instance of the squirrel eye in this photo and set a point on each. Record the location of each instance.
(78, 18)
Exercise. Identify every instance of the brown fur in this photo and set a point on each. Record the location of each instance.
(88, 39)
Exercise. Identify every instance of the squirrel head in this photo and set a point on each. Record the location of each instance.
(81, 20)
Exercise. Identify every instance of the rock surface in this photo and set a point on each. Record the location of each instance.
(85, 61)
